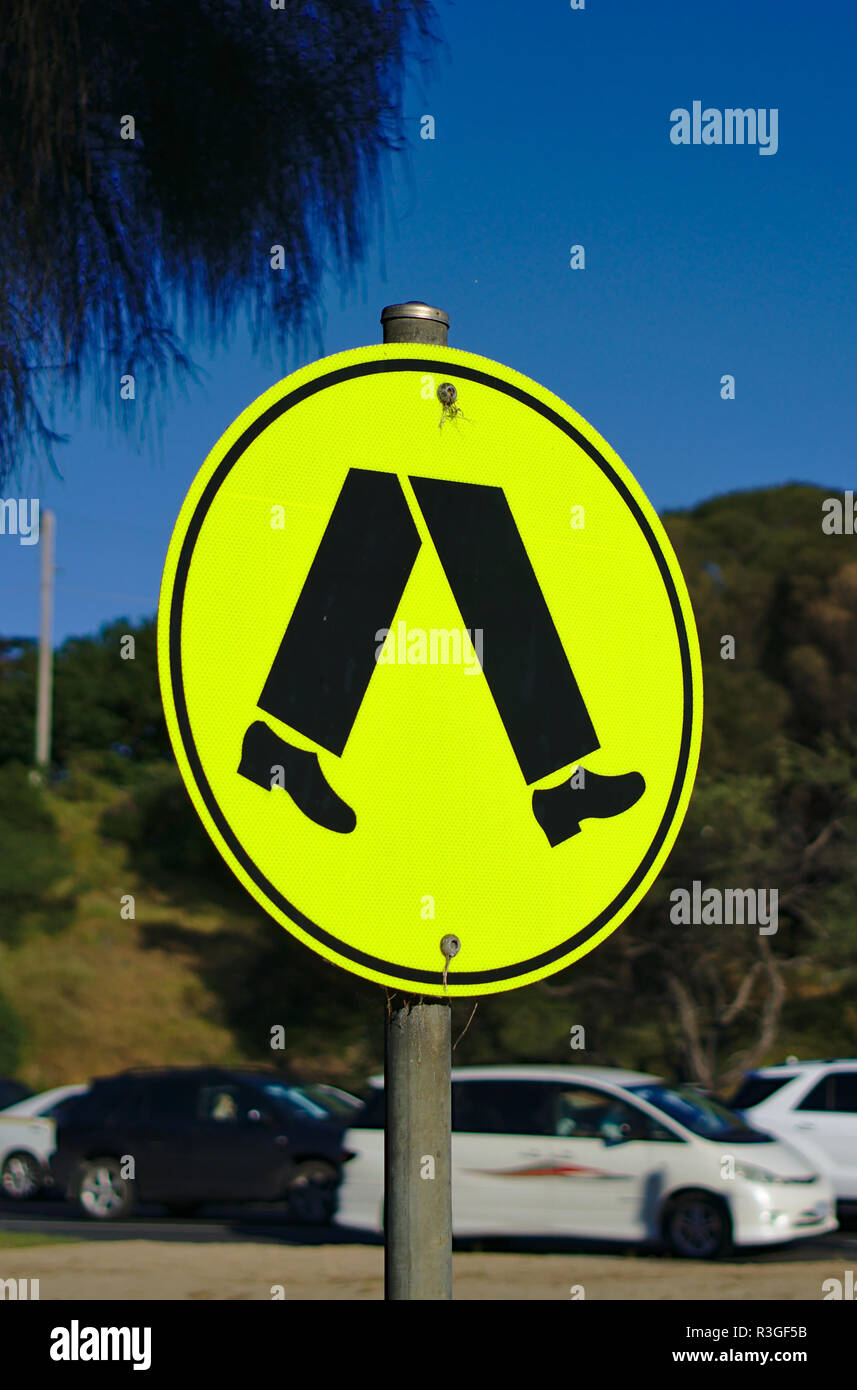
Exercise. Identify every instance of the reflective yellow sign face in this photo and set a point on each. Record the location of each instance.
(430, 669)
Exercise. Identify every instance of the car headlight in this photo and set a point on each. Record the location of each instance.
(754, 1174)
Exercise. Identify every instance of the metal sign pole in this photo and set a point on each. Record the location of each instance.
(44, 697)
(417, 1060)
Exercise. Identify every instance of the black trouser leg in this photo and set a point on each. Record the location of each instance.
(327, 656)
(526, 668)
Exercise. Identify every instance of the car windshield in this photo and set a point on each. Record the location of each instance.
(294, 1098)
(755, 1089)
(697, 1112)
(335, 1102)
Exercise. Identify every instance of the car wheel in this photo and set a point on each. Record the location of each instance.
(22, 1177)
(102, 1191)
(312, 1193)
(696, 1226)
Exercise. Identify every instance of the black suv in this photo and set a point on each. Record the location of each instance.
(188, 1136)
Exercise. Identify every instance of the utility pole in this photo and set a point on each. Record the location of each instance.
(417, 1053)
(44, 698)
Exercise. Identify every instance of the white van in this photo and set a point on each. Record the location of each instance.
(594, 1152)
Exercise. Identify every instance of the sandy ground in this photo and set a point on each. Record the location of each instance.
(165, 1270)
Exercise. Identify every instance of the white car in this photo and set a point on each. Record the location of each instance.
(594, 1152)
(814, 1106)
(28, 1138)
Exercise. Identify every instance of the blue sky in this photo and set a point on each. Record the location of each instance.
(553, 129)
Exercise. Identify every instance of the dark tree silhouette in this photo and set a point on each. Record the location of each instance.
(253, 127)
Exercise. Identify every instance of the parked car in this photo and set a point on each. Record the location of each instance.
(27, 1140)
(814, 1106)
(600, 1153)
(187, 1136)
(12, 1091)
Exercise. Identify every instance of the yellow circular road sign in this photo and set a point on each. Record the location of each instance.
(430, 669)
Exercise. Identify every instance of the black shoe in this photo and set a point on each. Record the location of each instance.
(264, 751)
(559, 810)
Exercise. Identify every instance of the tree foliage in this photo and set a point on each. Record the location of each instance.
(12, 1037)
(36, 869)
(103, 703)
(253, 127)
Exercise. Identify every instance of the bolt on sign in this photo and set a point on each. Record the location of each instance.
(430, 669)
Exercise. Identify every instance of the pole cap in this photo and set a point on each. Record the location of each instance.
(414, 309)
(414, 322)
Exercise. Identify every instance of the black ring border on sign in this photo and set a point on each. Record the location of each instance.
(302, 393)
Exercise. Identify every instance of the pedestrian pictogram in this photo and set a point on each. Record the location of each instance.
(430, 684)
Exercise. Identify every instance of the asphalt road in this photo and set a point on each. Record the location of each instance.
(216, 1223)
(266, 1224)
